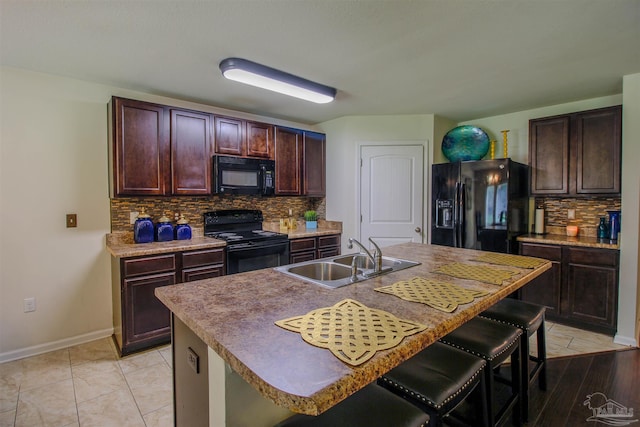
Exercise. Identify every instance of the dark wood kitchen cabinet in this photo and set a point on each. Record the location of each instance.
(581, 289)
(576, 154)
(243, 138)
(160, 150)
(310, 248)
(300, 163)
(140, 320)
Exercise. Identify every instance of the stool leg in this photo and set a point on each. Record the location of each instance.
(488, 380)
(517, 385)
(524, 375)
(542, 354)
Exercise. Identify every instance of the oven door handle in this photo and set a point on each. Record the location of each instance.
(249, 245)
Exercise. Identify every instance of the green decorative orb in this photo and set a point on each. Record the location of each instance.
(465, 143)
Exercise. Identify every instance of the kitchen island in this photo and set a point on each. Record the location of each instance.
(233, 317)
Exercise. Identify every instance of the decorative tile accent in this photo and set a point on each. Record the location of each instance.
(272, 208)
(588, 211)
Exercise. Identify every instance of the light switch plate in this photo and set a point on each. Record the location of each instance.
(571, 214)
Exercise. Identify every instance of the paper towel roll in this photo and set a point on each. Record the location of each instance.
(539, 221)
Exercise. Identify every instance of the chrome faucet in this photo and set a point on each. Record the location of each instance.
(376, 258)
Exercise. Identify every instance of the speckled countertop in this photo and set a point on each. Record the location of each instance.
(563, 239)
(235, 315)
(325, 228)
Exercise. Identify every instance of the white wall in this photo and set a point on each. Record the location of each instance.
(343, 138)
(53, 161)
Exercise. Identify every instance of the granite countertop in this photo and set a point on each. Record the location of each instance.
(325, 228)
(234, 315)
(563, 239)
(121, 245)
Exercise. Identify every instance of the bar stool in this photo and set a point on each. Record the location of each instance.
(530, 318)
(437, 380)
(371, 406)
(494, 342)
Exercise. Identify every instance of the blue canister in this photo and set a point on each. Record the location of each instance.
(143, 228)
(183, 229)
(603, 229)
(164, 229)
(614, 224)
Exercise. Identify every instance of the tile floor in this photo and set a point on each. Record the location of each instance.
(89, 385)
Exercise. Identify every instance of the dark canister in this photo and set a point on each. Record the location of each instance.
(143, 228)
(603, 229)
(183, 229)
(614, 224)
(164, 229)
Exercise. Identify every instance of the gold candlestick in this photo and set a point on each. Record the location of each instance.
(505, 145)
(493, 149)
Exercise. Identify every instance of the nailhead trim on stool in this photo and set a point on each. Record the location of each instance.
(494, 342)
(437, 380)
(372, 406)
(530, 318)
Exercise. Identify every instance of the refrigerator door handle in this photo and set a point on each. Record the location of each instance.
(455, 216)
(461, 219)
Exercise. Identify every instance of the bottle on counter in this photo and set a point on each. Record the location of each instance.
(183, 229)
(603, 229)
(164, 229)
(143, 228)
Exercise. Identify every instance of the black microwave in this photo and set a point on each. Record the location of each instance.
(238, 175)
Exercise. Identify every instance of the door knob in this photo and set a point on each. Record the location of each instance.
(418, 229)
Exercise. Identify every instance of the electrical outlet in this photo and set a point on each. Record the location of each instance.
(193, 360)
(571, 214)
(72, 220)
(133, 215)
(29, 304)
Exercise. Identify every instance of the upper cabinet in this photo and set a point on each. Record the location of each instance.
(576, 154)
(243, 138)
(159, 150)
(300, 163)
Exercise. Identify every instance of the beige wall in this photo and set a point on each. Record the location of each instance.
(53, 161)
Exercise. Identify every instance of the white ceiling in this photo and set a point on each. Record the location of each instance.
(461, 59)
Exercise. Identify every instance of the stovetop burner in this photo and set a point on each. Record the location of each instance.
(237, 226)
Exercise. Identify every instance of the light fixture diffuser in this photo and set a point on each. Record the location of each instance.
(251, 73)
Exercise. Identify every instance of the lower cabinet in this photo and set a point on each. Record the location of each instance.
(310, 248)
(581, 289)
(140, 320)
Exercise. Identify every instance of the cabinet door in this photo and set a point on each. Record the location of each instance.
(598, 145)
(545, 289)
(140, 148)
(190, 153)
(549, 155)
(229, 136)
(146, 320)
(259, 140)
(288, 157)
(314, 164)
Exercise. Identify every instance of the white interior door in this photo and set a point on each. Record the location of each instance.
(391, 194)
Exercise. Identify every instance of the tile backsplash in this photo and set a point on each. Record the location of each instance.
(588, 211)
(272, 208)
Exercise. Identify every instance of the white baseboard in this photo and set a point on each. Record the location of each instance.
(54, 345)
(622, 340)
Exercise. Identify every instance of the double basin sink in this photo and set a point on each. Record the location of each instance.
(336, 271)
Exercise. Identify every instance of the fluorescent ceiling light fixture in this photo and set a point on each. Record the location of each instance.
(251, 73)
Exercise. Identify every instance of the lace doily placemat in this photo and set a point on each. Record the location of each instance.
(352, 331)
(480, 273)
(434, 293)
(512, 260)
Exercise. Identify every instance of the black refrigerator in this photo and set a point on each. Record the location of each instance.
(480, 205)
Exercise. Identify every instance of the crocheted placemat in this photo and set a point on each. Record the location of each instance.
(512, 260)
(352, 331)
(477, 272)
(434, 293)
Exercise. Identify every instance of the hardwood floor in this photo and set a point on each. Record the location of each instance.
(615, 374)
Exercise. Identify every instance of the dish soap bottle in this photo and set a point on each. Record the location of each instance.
(183, 229)
(603, 230)
(164, 229)
(143, 228)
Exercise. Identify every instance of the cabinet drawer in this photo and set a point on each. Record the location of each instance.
(302, 256)
(552, 253)
(328, 252)
(148, 265)
(192, 274)
(204, 257)
(593, 257)
(326, 241)
(305, 244)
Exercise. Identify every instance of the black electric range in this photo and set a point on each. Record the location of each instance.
(249, 247)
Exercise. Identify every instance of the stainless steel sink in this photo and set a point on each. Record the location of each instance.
(335, 272)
